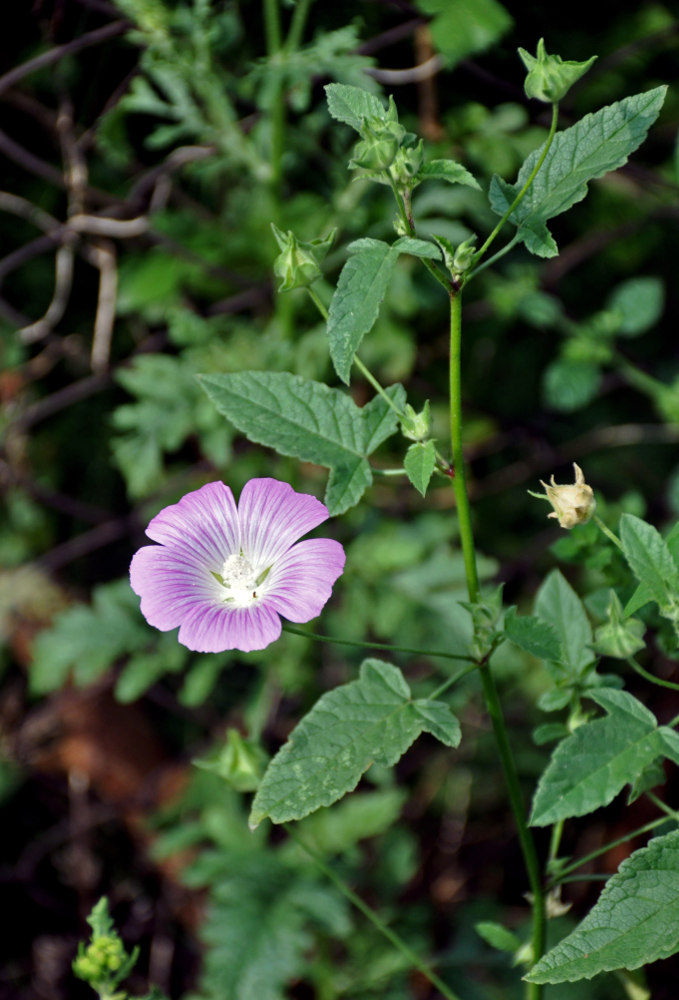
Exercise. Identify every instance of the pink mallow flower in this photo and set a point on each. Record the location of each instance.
(224, 574)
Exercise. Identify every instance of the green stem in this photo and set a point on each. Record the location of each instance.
(368, 375)
(560, 877)
(489, 690)
(410, 230)
(649, 677)
(413, 960)
(524, 189)
(491, 260)
(272, 30)
(663, 807)
(299, 17)
(530, 857)
(607, 531)
(459, 478)
(434, 653)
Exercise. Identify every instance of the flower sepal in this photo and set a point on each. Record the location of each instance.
(298, 263)
(550, 77)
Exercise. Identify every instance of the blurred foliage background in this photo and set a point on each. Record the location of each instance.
(146, 148)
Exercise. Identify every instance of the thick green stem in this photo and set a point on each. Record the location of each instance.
(413, 960)
(524, 189)
(534, 991)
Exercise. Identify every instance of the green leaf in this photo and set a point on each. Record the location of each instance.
(598, 143)
(352, 105)
(461, 28)
(639, 303)
(634, 922)
(651, 562)
(259, 925)
(361, 287)
(370, 720)
(533, 635)
(642, 595)
(365, 814)
(590, 767)
(84, 641)
(418, 248)
(497, 936)
(419, 463)
(447, 170)
(356, 302)
(309, 421)
(559, 606)
(568, 385)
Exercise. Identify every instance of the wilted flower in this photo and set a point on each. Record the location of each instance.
(224, 574)
(572, 504)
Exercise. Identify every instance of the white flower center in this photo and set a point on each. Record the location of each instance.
(239, 581)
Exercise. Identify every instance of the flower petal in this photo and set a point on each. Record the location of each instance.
(170, 583)
(300, 583)
(203, 524)
(216, 628)
(272, 517)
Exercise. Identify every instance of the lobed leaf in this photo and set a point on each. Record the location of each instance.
(310, 421)
(372, 719)
(598, 143)
(634, 922)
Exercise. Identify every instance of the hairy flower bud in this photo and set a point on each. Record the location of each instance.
(549, 77)
(572, 504)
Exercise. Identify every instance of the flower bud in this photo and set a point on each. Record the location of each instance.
(298, 263)
(408, 162)
(572, 504)
(619, 637)
(380, 142)
(549, 77)
(239, 762)
(416, 426)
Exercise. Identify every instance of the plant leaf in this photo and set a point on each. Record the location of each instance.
(590, 767)
(352, 105)
(306, 419)
(634, 922)
(372, 719)
(533, 635)
(598, 143)
(419, 463)
(460, 28)
(356, 302)
(650, 559)
(559, 606)
(447, 170)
